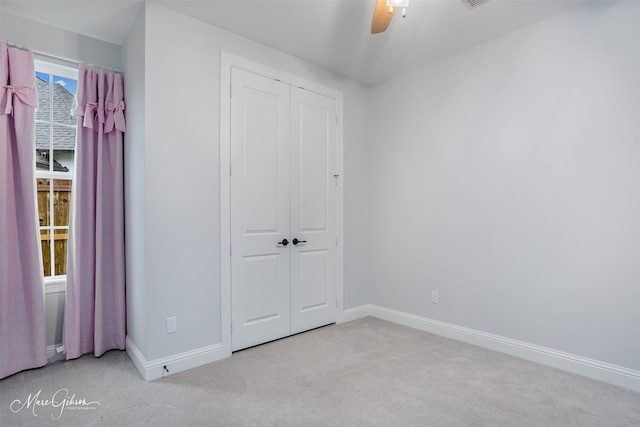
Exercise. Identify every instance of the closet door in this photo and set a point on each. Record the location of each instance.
(313, 210)
(283, 209)
(260, 260)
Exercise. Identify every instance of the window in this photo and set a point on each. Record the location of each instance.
(55, 135)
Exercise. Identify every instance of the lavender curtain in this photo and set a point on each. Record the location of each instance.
(22, 329)
(94, 315)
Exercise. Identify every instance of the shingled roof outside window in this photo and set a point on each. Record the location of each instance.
(57, 120)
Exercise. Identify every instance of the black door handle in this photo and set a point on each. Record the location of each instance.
(284, 242)
(296, 241)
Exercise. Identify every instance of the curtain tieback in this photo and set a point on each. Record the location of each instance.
(26, 95)
(115, 117)
(91, 115)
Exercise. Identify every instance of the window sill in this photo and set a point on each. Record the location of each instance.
(54, 286)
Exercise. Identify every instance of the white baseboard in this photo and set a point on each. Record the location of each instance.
(359, 312)
(53, 355)
(602, 371)
(154, 369)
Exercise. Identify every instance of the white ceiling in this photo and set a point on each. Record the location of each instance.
(334, 34)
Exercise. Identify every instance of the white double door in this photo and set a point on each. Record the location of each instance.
(283, 209)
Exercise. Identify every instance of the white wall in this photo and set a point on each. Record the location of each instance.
(54, 41)
(180, 174)
(507, 177)
(133, 58)
(357, 196)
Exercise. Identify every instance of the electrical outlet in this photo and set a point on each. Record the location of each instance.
(172, 325)
(434, 297)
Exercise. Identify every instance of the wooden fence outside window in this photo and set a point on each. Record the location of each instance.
(60, 213)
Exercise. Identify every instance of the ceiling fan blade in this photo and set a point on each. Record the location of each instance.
(382, 15)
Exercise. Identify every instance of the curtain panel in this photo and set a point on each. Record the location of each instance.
(22, 323)
(94, 316)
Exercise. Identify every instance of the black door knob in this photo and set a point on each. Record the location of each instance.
(296, 241)
(284, 242)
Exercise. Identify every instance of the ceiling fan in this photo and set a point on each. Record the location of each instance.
(383, 13)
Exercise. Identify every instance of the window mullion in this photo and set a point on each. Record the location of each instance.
(52, 245)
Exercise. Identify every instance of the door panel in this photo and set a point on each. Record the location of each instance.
(313, 210)
(262, 145)
(312, 156)
(262, 281)
(314, 272)
(260, 268)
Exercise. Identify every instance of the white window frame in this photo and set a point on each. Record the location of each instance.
(54, 284)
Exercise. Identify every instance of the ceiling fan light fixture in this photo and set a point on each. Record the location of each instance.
(397, 3)
(383, 13)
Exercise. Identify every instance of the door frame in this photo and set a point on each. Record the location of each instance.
(227, 61)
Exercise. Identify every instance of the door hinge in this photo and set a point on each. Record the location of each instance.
(337, 177)
(336, 242)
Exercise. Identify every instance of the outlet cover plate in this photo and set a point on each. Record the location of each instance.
(172, 325)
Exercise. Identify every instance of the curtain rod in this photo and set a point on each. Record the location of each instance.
(60, 58)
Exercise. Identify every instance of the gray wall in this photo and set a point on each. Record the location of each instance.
(507, 178)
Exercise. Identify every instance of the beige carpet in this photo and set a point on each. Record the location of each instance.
(363, 373)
